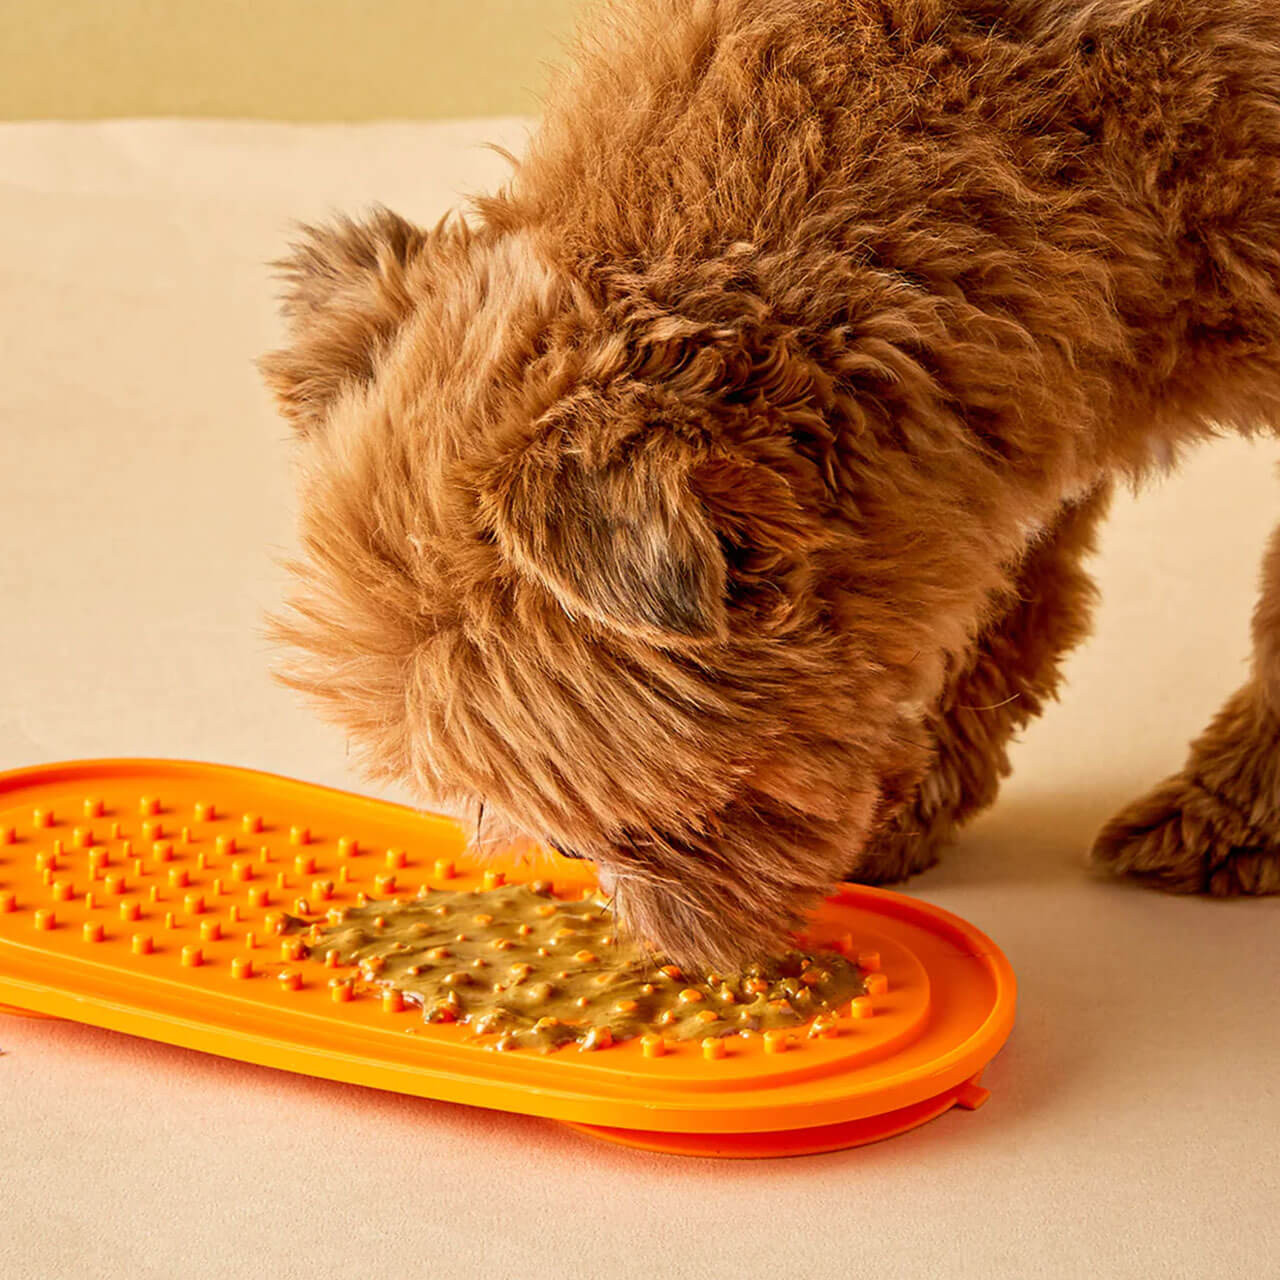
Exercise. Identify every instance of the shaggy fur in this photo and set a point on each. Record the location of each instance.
(713, 504)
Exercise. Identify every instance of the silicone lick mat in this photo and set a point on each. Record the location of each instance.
(145, 896)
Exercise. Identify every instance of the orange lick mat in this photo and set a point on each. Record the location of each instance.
(147, 896)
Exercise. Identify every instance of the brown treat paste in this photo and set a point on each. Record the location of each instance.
(539, 971)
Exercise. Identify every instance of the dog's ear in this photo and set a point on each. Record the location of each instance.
(345, 296)
(604, 516)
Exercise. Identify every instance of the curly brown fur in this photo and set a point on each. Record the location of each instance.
(1004, 683)
(713, 505)
(1214, 827)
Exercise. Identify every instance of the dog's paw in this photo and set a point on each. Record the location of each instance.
(1183, 838)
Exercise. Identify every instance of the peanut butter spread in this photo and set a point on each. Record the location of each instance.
(533, 970)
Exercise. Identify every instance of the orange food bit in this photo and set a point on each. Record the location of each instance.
(869, 961)
(713, 1047)
(876, 984)
(653, 1046)
(671, 971)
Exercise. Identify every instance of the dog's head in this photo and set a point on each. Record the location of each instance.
(568, 561)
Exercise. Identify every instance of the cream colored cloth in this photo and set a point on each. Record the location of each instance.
(1133, 1125)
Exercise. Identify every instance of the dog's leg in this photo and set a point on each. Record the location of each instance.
(1011, 674)
(1214, 827)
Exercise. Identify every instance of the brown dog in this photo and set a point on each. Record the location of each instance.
(714, 506)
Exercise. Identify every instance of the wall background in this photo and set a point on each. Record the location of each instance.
(277, 59)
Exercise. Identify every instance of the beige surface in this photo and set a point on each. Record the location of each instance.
(1132, 1129)
(276, 59)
